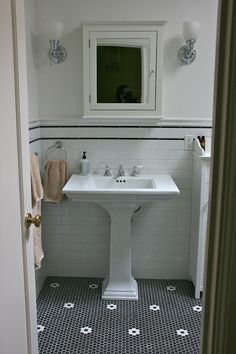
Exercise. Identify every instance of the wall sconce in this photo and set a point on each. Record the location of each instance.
(187, 53)
(57, 53)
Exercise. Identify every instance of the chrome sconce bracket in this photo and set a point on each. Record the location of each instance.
(187, 53)
(57, 53)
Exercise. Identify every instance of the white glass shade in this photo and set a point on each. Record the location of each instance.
(54, 30)
(191, 30)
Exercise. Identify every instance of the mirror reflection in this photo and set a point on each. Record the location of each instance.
(119, 74)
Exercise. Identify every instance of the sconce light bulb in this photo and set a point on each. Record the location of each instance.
(54, 30)
(191, 30)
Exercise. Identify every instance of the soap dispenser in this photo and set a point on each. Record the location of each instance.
(84, 165)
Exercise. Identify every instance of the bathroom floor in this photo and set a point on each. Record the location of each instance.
(73, 319)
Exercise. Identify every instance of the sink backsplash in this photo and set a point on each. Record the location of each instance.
(76, 235)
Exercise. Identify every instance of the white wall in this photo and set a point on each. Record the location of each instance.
(187, 91)
(31, 57)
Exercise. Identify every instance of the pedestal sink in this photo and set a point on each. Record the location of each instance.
(120, 197)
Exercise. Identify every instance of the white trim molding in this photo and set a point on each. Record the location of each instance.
(183, 122)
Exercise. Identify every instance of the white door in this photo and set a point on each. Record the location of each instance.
(17, 284)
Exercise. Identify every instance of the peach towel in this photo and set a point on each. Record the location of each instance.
(54, 180)
(37, 196)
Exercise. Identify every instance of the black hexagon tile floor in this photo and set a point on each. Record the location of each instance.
(73, 319)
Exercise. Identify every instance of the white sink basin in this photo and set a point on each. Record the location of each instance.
(96, 188)
(120, 197)
(122, 183)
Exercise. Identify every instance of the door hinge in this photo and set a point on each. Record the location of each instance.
(89, 43)
(90, 98)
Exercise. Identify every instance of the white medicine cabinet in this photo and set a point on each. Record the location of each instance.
(122, 68)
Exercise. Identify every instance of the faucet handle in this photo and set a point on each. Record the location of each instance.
(135, 171)
(107, 171)
(121, 171)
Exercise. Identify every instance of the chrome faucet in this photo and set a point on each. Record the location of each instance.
(120, 171)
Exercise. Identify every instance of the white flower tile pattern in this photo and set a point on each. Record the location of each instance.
(111, 307)
(171, 288)
(54, 285)
(69, 305)
(86, 330)
(134, 331)
(182, 332)
(87, 324)
(40, 328)
(93, 286)
(197, 308)
(154, 307)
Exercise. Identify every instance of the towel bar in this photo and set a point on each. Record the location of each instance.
(58, 145)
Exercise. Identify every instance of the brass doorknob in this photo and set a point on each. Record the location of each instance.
(30, 220)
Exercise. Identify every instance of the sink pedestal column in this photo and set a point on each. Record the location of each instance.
(120, 284)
